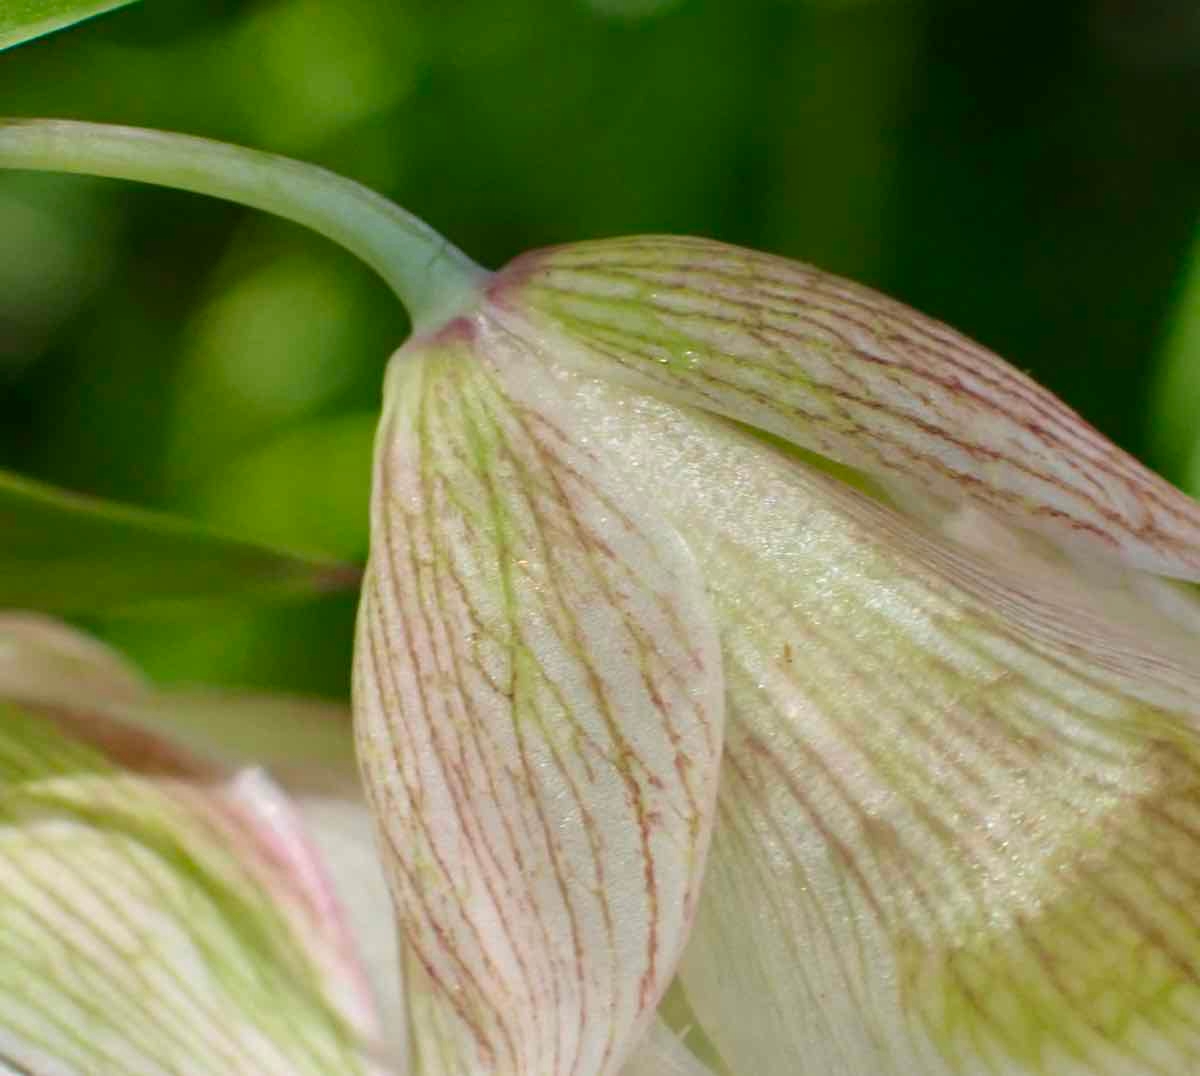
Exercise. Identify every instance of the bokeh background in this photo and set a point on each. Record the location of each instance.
(1028, 172)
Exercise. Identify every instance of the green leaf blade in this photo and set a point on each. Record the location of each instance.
(23, 20)
(65, 553)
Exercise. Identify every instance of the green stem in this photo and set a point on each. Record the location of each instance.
(432, 278)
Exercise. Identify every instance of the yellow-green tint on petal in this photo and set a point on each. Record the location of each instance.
(953, 826)
(31, 749)
(152, 926)
(1103, 974)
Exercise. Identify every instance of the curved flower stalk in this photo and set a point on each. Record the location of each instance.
(892, 772)
(155, 916)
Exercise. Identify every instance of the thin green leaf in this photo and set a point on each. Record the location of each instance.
(65, 553)
(23, 20)
(1173, 431)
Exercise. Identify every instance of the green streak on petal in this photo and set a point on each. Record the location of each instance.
(537, 704)
(1117, 942)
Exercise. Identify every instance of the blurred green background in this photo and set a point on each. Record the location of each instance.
(1028, 172)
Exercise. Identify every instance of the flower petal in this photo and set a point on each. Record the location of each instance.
(538, 706)
(306, 744)
(663, 1053)
(840, 370)
(43, 660)
(959, 820)
(151, 926)
(94, 695)
(343, 833)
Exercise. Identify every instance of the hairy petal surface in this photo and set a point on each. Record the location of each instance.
(840, 370)
(959, 821)
(538, 707)
(152, 926)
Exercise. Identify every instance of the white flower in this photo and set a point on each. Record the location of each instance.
(938, 745)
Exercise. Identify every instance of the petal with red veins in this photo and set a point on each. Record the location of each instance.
(150, 926)
(959, 817)
(840, 370)
(538, 705)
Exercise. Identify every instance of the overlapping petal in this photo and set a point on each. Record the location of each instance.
(342, 833)
(960, 801)
(95, 695)
(43, 661)
(663, 1053)
(151, 925)
(959, 821)
(840, 370)
(539, 708)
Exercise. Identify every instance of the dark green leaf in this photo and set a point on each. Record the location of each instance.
(65, 553)
(22, 20)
